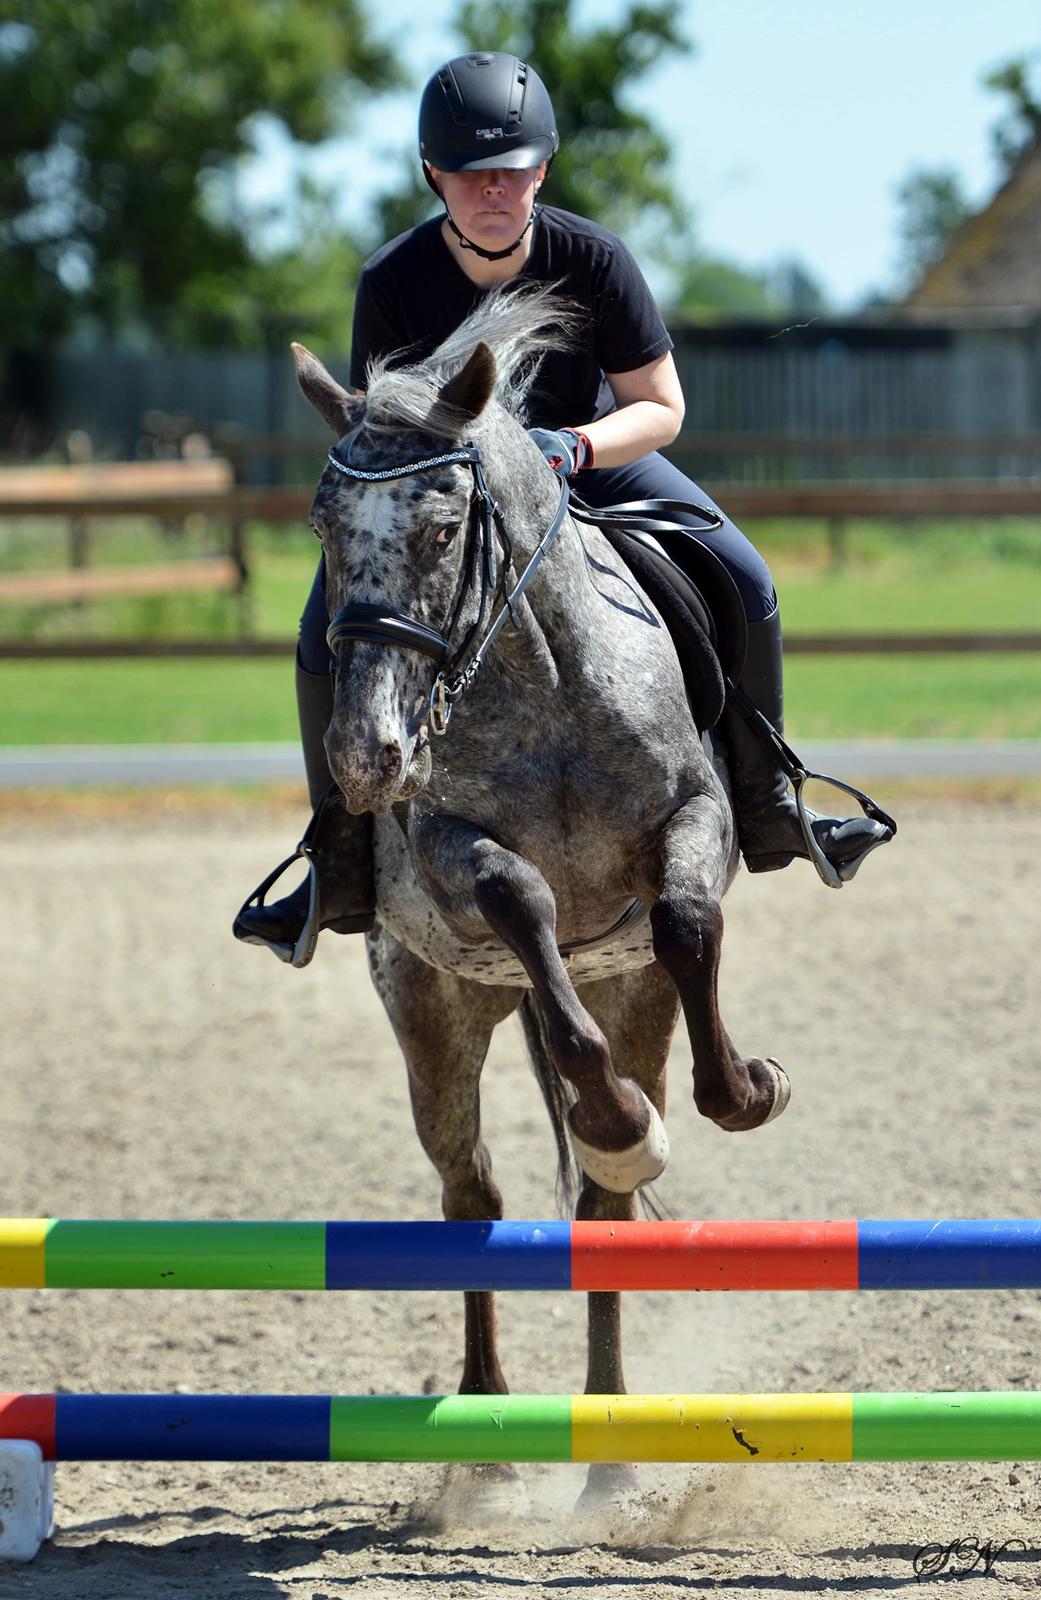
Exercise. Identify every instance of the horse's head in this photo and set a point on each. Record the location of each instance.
(395, 546)
(408, 560)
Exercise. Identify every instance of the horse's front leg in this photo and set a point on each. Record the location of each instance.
(443, 1025)
(637, 1012)
(733, 1091)
(479, 885)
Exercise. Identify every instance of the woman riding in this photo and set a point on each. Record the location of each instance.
(601, 412)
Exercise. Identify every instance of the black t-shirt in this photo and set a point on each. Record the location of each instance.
(412, 294)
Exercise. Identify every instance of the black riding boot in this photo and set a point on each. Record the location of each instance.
(339, 890)
(768, 826)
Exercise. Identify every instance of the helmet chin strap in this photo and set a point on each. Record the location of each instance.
(490, 255)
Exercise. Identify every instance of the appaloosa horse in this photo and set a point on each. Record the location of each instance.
(565, 846)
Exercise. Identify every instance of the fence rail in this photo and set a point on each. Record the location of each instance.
(236, 506)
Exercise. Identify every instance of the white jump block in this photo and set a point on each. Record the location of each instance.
(26, 1499)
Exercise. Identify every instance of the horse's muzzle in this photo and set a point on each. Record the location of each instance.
(376, 773)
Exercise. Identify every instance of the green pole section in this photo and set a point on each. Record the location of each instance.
(186, 1255)
(1000, 1426)
(461, 1427)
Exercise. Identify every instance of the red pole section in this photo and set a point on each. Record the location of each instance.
(714, 1255)
(31, 1417)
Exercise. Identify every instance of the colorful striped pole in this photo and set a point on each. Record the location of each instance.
(479, 1428)
(949, 1254)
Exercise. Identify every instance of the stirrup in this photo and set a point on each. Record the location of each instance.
(798, 776)
(835, 875)
(300, 953)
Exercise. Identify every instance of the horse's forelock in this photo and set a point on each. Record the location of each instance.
(519, 323)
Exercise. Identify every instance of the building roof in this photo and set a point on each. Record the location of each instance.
(994, 259)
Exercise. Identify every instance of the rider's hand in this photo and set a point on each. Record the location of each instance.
(566, 450)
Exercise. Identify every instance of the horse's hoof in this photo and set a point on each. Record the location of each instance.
(782, 1090)
(610, 1485)
(483, 1495)
(775, 1094)
(622, 1171)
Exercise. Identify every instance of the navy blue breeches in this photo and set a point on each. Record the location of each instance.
(649, 478)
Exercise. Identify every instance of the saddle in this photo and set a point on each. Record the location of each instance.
(691, 588)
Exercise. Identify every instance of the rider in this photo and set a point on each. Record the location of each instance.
(487, 138)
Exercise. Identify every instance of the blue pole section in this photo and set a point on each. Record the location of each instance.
(212, 1427)
(448, 1255)
(952, 1254)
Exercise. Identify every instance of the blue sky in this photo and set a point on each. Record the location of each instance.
(792, 123)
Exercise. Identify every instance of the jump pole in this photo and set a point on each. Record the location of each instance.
(947, 1254)
(480, 1428)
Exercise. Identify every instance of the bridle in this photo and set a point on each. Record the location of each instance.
(362, 622)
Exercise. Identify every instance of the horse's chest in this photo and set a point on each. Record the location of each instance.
(407, 912)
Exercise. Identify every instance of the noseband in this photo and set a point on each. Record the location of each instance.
(376, 624)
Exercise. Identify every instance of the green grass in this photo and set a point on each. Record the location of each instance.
(145, 702)
(920, 578)
(914, 697)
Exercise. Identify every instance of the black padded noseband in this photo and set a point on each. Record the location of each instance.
(369, 624)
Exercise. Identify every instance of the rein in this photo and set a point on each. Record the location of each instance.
(376, 624)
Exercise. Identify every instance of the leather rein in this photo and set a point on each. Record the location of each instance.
(378, 624)
(363, 622)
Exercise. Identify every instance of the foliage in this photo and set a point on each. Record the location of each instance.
(932, 205)
(709, 289)
(612, 164)
(1021, 124)
(123, 124)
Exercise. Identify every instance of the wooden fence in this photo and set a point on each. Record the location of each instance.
(166, 490)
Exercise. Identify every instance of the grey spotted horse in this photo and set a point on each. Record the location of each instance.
(564, 847)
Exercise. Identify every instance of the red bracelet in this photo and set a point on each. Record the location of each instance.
(588, 459)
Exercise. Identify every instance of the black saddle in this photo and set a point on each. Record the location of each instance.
(691, 588)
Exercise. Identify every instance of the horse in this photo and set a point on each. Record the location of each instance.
(551, 834)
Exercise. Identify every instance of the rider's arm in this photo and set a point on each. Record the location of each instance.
(649, 415)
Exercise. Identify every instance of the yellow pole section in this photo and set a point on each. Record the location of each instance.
(712, 1427)
(23, 1252)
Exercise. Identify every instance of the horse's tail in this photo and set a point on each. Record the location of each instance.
(558, 1098)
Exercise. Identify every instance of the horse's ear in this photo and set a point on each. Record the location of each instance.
(471, 389)
(325, 394)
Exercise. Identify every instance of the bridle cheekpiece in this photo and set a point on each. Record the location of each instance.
(363, 622)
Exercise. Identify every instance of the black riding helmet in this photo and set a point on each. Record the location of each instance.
(483, 111)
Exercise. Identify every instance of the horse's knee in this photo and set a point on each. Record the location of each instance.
(508, 891)
(686, 931)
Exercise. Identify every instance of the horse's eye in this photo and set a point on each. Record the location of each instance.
(316, 530)
(445, 535)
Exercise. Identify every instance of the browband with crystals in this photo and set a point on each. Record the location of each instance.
(464, 456)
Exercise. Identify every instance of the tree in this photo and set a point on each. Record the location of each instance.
(1021, 124)
(123, 124)
(612, 164)
(709, 289)
(932, 204)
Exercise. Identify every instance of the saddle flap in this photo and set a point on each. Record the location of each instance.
(688, 620)
(716, 588)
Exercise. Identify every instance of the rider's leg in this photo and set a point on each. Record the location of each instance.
(768, 824)
(339, 844)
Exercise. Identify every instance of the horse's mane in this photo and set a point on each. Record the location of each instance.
(519, 323)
